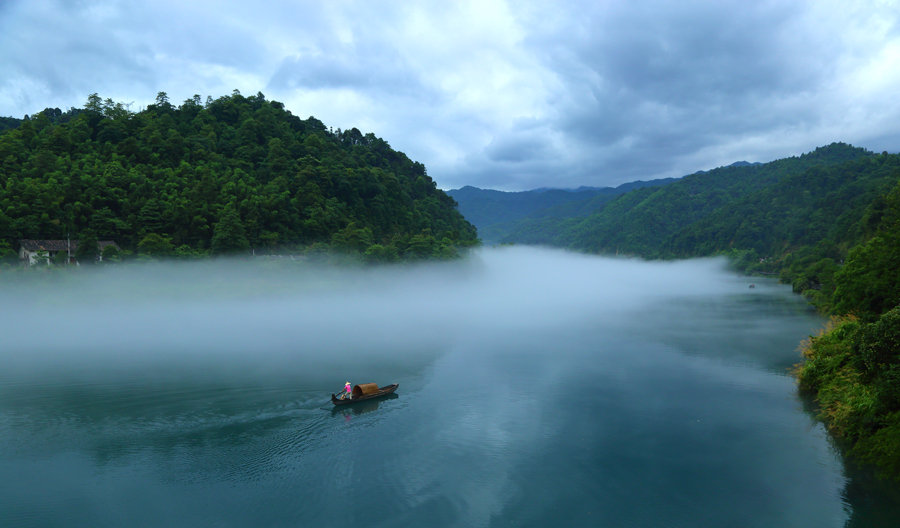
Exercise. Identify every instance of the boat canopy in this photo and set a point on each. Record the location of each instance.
(364, 389)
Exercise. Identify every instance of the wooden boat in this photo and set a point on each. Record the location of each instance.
(365, 391)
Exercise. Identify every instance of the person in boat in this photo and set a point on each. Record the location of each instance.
(348, 392)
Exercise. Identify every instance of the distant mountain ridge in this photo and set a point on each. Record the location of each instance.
(735, 164)
(497, 213)
(639, 218)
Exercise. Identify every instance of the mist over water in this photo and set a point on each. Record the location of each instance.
(281, 315)
(536, 387)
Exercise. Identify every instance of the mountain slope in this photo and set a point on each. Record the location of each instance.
(233, 174)
(642, 222)
(498, 213)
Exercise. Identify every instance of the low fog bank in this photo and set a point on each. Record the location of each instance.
(285, 316)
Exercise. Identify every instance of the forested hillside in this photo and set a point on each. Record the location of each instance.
(498, 213)
(229, 175)
(644, 221)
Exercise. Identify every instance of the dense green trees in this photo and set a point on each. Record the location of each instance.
(88, 250)
(229, 236)
(868, 285)
(535, 216)
(230, 175)
(762, 207)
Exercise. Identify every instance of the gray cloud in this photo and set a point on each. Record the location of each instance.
(349, 70)
(518, 147)
(494, 94)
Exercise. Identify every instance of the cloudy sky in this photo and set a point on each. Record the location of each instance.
(506, 95)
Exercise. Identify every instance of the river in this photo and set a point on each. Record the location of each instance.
(537, 387)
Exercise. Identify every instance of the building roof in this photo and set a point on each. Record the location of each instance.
(58, 245)
(48, 245)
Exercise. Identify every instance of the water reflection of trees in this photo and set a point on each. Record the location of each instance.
(868, 500)
(871, 502)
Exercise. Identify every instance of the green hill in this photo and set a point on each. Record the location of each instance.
(497, 213)
(643, 221)
(230, 175)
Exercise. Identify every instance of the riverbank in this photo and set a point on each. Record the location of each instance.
(852, 370)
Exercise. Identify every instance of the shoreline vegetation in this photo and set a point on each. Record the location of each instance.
(850, 369)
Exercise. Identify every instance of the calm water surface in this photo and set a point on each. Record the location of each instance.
(537, 388)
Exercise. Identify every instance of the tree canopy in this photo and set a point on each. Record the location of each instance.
(225, 176)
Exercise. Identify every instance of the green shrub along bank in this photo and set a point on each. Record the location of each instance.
(233, 175)
(853, 367)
